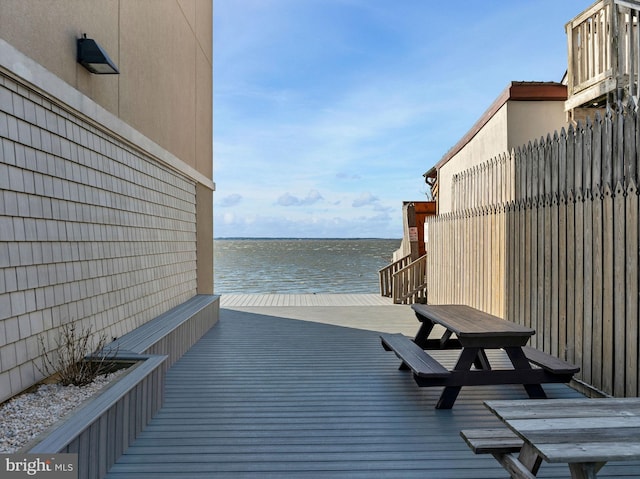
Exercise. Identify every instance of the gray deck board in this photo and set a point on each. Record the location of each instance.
(262, 396)
(274, 300)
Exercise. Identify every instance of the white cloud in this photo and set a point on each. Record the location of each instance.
(311, 226)
(230, 200)
(365, 199)
(347, 176)
(289, 200)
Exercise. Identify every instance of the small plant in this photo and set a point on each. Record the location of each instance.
(74, 360)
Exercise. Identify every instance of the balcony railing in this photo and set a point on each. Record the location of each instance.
(604, 52)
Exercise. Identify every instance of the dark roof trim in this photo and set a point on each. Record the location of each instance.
(516, 91)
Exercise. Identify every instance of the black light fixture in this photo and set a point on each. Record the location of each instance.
(94, 58)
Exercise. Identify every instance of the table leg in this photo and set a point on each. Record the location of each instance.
(445, 337)
(520, 361)
(450, 393)
(585, 470)
(513, 466)
(481, 361)
(530, 458)
(423, 333)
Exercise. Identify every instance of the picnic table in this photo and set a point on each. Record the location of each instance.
(584, 433)
(475, 332)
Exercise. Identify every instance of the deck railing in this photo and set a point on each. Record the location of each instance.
(409, 284)
(604, 51)
(386, 275)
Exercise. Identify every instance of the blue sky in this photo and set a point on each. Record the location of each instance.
(328, 112)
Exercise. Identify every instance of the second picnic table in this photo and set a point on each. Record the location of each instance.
(585, 433)
(475, 331)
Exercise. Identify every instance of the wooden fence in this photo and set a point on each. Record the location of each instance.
(547, 236)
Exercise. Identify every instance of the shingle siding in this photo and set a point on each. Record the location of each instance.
(91, 230)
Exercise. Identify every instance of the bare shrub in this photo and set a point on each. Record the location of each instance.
(74, 360)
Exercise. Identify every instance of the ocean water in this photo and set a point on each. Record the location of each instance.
(296, 266)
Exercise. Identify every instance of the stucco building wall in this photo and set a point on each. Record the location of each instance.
(105, 181)
(532, 120)
(488, 143)
(163, 49)
(521, 114)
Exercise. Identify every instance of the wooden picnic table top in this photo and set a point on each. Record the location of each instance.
(575, 430)
(466, 321)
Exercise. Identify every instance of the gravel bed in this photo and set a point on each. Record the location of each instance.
(25, 416)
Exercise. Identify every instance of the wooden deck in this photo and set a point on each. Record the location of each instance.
(265, 396)
(262, 300)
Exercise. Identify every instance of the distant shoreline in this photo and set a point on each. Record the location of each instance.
(236, 238)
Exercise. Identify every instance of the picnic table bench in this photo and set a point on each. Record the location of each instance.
(475, 331)
(584, 433)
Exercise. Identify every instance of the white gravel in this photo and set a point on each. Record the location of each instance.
(25, 416)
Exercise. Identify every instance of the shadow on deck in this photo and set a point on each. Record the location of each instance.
(262, 396)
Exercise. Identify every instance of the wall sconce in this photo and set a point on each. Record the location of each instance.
(94, 58)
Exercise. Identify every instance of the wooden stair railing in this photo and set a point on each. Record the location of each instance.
(409, 284)
(386, 275)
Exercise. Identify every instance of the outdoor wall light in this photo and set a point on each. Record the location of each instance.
(94, 58)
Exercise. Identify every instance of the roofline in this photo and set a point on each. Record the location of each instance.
(516, 91)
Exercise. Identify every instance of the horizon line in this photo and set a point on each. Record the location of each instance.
(300, 238)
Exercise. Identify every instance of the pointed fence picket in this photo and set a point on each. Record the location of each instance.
(547, 236)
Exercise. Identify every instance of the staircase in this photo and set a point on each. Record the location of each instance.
(405, 281)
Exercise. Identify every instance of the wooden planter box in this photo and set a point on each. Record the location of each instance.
(101, 429)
